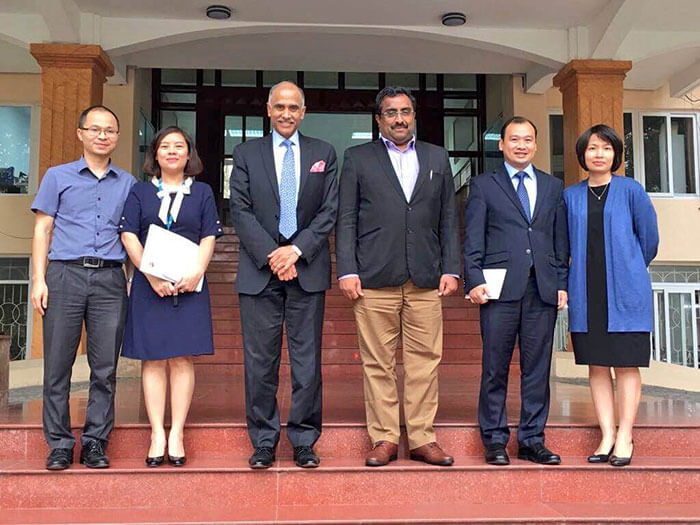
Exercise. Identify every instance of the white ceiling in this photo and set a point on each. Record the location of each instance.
(531, 37)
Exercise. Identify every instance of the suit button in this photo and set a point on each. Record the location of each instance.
(410, 231)
(410, 209)
(528, 251)
(529, 229)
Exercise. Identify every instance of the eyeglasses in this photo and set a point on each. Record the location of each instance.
(94, 131)
(393, 113)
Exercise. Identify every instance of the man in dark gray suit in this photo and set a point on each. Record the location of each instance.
(397, 254)
(284, 198)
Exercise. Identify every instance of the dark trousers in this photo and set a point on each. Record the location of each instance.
(262, 318)
(532, 321)
(97, 297)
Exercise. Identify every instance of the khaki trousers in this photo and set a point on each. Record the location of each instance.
(383, 315)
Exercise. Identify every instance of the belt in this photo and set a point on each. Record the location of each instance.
(94, 262)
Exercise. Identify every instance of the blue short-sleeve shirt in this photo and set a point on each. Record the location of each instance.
(86, 210)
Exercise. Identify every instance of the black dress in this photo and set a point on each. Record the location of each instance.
(598, 346)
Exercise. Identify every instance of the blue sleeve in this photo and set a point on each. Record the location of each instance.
(131, 215)
(211, 224)
(645, 225)
(47, 197)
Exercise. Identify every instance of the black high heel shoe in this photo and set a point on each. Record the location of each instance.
(601, 458)
(177, 462)
(617, 461)
(155, 462)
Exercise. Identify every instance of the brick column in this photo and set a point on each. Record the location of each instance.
(72, 77)
(592, 94)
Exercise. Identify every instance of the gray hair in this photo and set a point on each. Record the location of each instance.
(273, 88)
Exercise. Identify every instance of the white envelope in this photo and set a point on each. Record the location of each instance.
(494, 281)
(168, 255)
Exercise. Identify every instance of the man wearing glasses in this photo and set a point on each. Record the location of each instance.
(78, 207)
(397, 254)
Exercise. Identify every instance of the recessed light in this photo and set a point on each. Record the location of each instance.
(454, 19)
(218, 12)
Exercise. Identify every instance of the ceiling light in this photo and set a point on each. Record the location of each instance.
(454, 19)
(218, 12)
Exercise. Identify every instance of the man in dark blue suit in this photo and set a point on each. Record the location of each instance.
(515, 219)
(284, 200)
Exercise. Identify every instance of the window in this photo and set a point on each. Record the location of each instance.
(14, 303)
(669, 154)
(237, 129)
(676, 314)
(556, 146)
(14, 148)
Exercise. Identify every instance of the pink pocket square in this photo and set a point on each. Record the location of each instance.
(318, 167)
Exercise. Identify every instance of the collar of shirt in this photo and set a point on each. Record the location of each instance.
(83, 165)
(512, 171)
(278, 139)
(278, 152)
(393, 147)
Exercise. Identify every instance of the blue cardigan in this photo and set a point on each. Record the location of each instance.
(631, 242)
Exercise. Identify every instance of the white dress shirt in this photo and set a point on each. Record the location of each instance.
(530, 183)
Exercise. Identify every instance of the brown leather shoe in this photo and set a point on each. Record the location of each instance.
(433, 454)
(381, 454)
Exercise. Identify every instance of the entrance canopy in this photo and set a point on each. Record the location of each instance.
(534, 38)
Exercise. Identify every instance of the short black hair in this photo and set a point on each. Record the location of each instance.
(392, 91)
(194, 164)
(83, 116)
(606, 134)
(517, 120)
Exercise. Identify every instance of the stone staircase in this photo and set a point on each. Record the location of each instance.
(216, 486)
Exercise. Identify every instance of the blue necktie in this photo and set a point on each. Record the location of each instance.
(288, 194)
(522, 194)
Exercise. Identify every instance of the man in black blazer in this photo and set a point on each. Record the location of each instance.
(397, 250)
(284, 200)
(515, 220)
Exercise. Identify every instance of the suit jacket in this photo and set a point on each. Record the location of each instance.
(498, 235)
(255, 210)
(383, 238)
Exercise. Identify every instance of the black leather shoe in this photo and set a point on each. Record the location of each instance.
(601, 458)
(617, 461)
(59, 459)
(263, 457)
(93, 455)
(305, 457)
(177, 462)
(538, 453)
(496, 455)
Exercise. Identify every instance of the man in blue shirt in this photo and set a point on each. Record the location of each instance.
(78, 207)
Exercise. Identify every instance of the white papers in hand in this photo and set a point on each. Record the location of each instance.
(168, 255)
(494, 281)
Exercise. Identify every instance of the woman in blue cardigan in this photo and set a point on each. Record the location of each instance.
(614, 237)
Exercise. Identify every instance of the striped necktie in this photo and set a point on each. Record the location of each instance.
(522, 194)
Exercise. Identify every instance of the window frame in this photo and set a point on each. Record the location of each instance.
(34, 142)
(30, 309)
(638, 143)
(666, 288)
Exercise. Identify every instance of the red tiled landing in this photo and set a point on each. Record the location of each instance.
(229, 483)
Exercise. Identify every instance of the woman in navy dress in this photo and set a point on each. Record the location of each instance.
(167, 323)
(613, 237)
